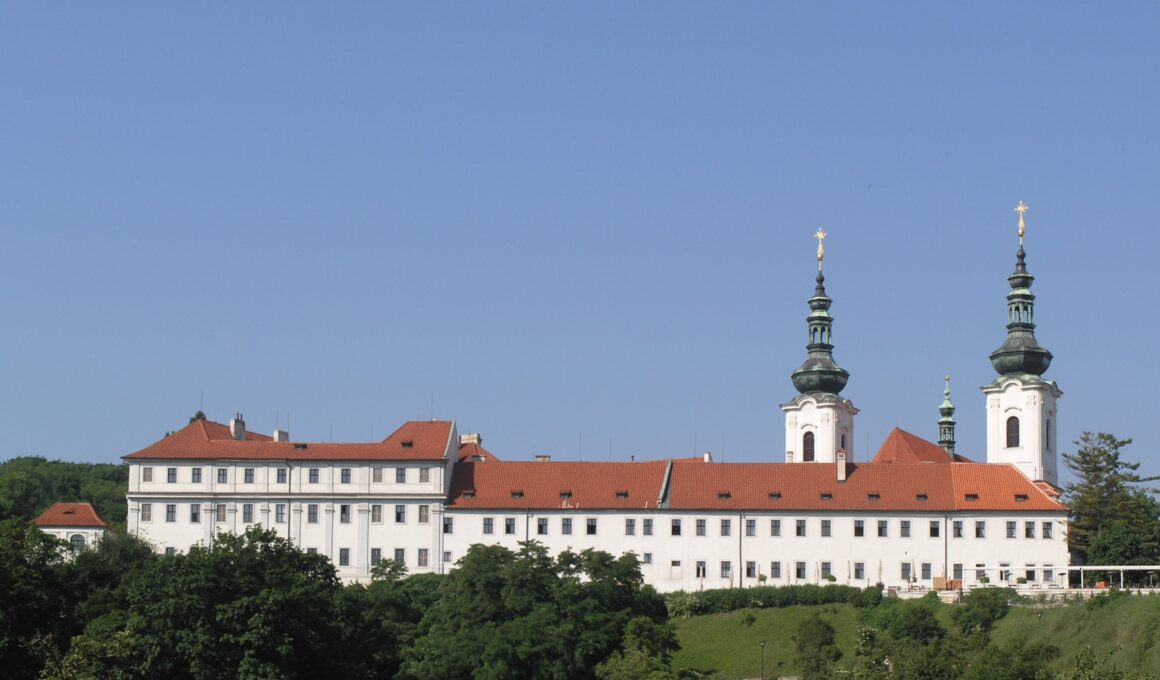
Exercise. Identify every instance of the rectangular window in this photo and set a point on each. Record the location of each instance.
(488, 525)
(376, 556)
(344, 476)
(1029, 530)
(195, 513)
(799, 570)
(170, 552)
(726, 569)
(591, 526)
(195, 475)
(171, 513)
(147, 474)
(750, 527)
(981, 529)
(827, 570)
(775, 527)
(1029, 573)
(146, 512)
(424, 475)
(775, 570)
(400, 475)
(957, 529)
(859, 570)
(282, 474)
(376, 514)
(312, 513)
(448, 524)
(248, 475)
(906, 571)
(676, 527)
(400, 556)
(400, 514)
(859, 528)
(446, 555)
(312, 475)
(1010, 529)
(171, 476)
(935, 528)
(1046, 530)
(424, 514)
(700, 568)
(726, 527)
(1004, 572)
(647, 527)
(280, 513)
(247, 513)
(957, 571)
(750, 569)
(883, 528)
(344, 557)
(646, 558)
(826, 528)
(630, 527)
(542, 526)
(377, 475)
(1048, 573)
(566, 526)
(220, 513)
(223, 475)
(423, 557)
(344, 513)
(509, 526)
(801, 528)
(700, 527)
(980, 572)
(905, 528)
(925, 571)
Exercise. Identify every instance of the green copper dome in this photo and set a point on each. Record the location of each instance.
(1020, 353)
(819, 372)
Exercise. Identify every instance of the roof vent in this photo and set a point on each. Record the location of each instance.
(972, 497)
(238, 427)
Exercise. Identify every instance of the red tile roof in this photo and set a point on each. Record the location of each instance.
(894, 487)
(546, 485)
(207, 440)
(472, 452)
(71, 515)
(903, 447)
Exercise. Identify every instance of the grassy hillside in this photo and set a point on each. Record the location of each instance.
(726, 646)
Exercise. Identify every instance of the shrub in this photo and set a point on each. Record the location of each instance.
(683, 604)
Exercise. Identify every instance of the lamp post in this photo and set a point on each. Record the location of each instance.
(762, 643)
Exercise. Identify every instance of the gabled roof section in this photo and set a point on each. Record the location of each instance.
(70, 516)
(475, 453)
(207, 440)
(903, 447)
(869, 487)
(556, 486)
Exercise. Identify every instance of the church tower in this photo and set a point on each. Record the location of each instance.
(946, 424)
(1020, 403)
(819, 422)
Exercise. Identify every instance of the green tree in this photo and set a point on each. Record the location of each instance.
(33, 603)
(1107, 491)
(981, 608)
(815, 649)
(1019, 661)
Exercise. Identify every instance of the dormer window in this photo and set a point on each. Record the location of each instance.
(920, 497)
(775, 495)
(565, 495)
(469, 493)
(873, 496)
(724, 495)
(1020, 498)
(972, 497)
(826, 495)
(517, 494)
(299, 447)
(621, 495)
(407, 444)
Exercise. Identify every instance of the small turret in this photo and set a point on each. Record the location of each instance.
(946, 424)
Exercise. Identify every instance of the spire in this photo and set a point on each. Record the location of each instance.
(819, 372)
(1020, 353)
(946, 424)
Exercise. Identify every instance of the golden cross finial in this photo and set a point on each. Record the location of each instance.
(821, 236)
(1021, 208)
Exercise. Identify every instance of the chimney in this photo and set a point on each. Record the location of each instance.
(707, 457)
(281, 436)
(841, 465)
(789, 456)
(541, 458)
(471, 438)
(238, 427)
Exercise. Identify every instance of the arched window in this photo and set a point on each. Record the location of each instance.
(77, 541)
(1012, 432)
(1047, 434)
(808, 447)
(844, 442)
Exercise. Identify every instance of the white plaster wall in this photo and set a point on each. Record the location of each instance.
(1035, 406)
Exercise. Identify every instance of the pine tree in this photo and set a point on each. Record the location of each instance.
(1107, 491)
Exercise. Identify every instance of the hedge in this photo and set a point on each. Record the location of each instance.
(684, 604)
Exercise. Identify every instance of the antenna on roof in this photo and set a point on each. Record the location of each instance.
(332, 433)
(432, 404)
(581, 446)
(722, 447)
(201, 400)
(610, 449)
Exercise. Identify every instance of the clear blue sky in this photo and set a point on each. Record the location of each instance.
(572, 225)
